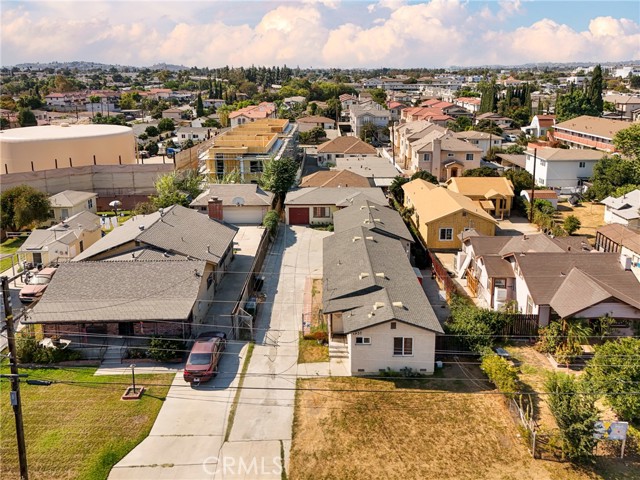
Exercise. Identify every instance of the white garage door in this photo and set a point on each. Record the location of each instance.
(243, 215)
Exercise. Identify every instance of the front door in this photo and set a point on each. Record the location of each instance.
(454, 172)
(125, 329)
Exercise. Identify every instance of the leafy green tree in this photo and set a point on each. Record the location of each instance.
(199, 106)
(515, 150)
(460, 124)
(211, 123)
(627, 141)
(575, 413)
(127, 101)
(278, 177)
(487, 126)
(177, 188)
(477, 327)
(166, 125)
(610, 173)
(270, 221)
(23, 206)
(615, 370)
(4, 123)
(574, 104)
(26, 118)
(379, 96)
(427, 176)
(369, 132)
(396, 190)
(571, 224)
(481, 172)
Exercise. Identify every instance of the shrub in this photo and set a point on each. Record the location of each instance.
(162, 349)
(476, 326)
(270, 221)
(501, 373)
(575, 413)
(30, 351)
(571, 224)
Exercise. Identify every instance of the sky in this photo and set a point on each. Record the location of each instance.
(320, 33)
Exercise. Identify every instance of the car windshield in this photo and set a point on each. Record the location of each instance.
(200, 359)
(39, 280)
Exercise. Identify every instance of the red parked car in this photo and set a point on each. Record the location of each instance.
(202, 364)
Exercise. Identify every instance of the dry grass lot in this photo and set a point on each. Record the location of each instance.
(77, 430)
(441, 428)
(591, 217)
(310, 350)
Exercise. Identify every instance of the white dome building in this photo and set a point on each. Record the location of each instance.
(34, 149)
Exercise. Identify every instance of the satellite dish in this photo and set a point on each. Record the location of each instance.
(238, 201)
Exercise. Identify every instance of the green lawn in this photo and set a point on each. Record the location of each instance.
(10, 245)
(77, 430)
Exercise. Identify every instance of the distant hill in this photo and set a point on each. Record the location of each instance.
(86, 66)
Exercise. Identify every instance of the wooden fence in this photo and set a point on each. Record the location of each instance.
(442, 276)
(521, 325)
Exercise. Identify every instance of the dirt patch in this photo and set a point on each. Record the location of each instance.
(313, 345)
(450, 427)
(591, 216)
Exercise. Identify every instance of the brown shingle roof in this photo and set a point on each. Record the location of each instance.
(352, 145)
(334, 178)
(622, 235)
(601, 127)
(315, 119)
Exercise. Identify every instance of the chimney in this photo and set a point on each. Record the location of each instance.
(215, 209)
(436, 159)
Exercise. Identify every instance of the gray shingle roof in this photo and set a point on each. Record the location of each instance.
(120, 291)
(70, 198)
(65, 232)
(544, 273)
(372, 216)
(340, 196)
(369, 278)
(252, 195)
(180, 230)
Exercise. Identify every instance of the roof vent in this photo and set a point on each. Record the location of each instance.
(363, 207)
(64, 124)
(356, 238)
(380, 274)
(363, 275)
(141, 227)
(378, 305)
(398, 304)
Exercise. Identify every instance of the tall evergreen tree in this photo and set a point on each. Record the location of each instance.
(199, 106)
(594, 90)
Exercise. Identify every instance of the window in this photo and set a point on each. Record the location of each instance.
(393, 325)
(255, 166)
(469, 157)
(450, 154)
(543, 163)
(220, 167)
(90, 203)
(582, 164)
(446, 234)
(321, 212)
(209, 280)
(427, 157)
(529, 305)
(363, 340)
(500, 283)
(402, 346)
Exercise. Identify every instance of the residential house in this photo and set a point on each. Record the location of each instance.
(378, 315)
(395, 109)
(238, 204)
(441, 215)
(624, 210)
(379, 171)
(174, 232)
(316, 206)
(375, 218)
(308, 123)
(561, 167)
(539, 125)
(335, 178)
(494, 194)
(550, 196)
(291, 102)
(551, 279)
(444, 155)
(405, 134)
(252, 113)
(71, 202)
(173, 113)
(484, 141)
(245, 148)
(621, 239)
(347, 100)
(195, 134)
(63, 241)
(342, 147)
(511, 160)
(627, 106)
(432, 115)
(472, 104)
(213, 102)
(499, 120)
(374, 114)
(589, 132)
(88, 302)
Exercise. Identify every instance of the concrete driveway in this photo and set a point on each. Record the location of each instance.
(515, 226)
(263, 423)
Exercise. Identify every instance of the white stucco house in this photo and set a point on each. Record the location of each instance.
(561, 168)
(624, 210)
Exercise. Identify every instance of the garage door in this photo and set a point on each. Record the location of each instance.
(299, 216)
(243, 215)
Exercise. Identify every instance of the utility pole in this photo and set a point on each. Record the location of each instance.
(533, 184)
(15, 379)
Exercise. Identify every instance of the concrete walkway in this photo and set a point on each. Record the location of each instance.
(437, 298)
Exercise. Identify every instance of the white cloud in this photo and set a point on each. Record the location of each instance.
(435, 33)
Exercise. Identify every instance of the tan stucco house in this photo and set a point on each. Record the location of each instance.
(493, 194)
(71, 202)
